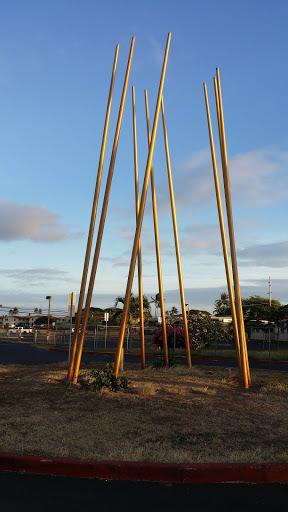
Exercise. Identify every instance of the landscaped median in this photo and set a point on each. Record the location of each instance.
(141, 471)
(179, 418)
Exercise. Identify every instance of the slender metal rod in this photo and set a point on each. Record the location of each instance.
(242, 340)
(238, 302)
(157, 243)
(223, 237)
(92, 221)
(141, 213)
(103, 217)
(140, 283)
(176, 240)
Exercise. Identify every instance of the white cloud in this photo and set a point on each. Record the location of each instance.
(203, 237)
(257, 178)
(157, 50)
(260, 177)
(24, 278)
(265, 255)
(34, 273)
(30, 222)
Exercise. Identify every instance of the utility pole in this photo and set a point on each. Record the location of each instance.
(270, 293)
(48, 298)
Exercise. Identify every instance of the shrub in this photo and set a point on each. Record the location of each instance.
(98, 379)
(179, 341)
(203, 331)
(160, 363)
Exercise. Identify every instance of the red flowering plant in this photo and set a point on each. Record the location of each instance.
(203, 331)
(179, 337)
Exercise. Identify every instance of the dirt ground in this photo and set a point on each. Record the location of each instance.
(175, 415)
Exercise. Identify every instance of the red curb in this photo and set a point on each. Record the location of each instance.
(145, 471)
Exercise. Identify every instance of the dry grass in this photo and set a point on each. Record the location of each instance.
(176, 415)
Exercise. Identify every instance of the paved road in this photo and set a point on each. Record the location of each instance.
(29, 493)
(22, 353)
(18, 353)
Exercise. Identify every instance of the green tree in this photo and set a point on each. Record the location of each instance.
(134, 310)
(43, 320)
(193, 312)
(174, 311)
(156, 301)
(258, 308)
(222, 305)
(276, 317)
(14, 311)
(95, 314)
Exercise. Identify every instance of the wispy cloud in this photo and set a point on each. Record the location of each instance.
(157, 50)
(30, 222)
(35, 273)
(265, 255)
(258, 178)
(202, 237)
(34, 276)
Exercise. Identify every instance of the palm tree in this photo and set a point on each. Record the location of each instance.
(174, 311)
(156, 300)
(222, 305)
(134, 311)
(14, 311)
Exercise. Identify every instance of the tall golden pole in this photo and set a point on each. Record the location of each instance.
(92, 221)
(223, 238)
(103, 217)
(176, 239)
(140, 284)
(157, 244)
(141, 213)
(238, 302)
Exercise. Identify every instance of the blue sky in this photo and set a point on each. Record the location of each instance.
(55, 66)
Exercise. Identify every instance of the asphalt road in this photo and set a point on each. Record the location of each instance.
(23, 353)
(50, 493)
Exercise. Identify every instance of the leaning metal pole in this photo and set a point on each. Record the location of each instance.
(176, 240)
(223, 238)
(238, 302)
(92, 221)
(157, 243)
(140, 284)
(141, 213)
(103, 217)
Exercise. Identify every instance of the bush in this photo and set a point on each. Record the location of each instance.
(160, 363)
(98, 379)
(202, 333)
(180, 338)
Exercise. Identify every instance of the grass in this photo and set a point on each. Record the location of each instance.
(175, 415)
(257, 355)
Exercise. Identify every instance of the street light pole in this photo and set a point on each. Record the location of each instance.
(48, 298)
